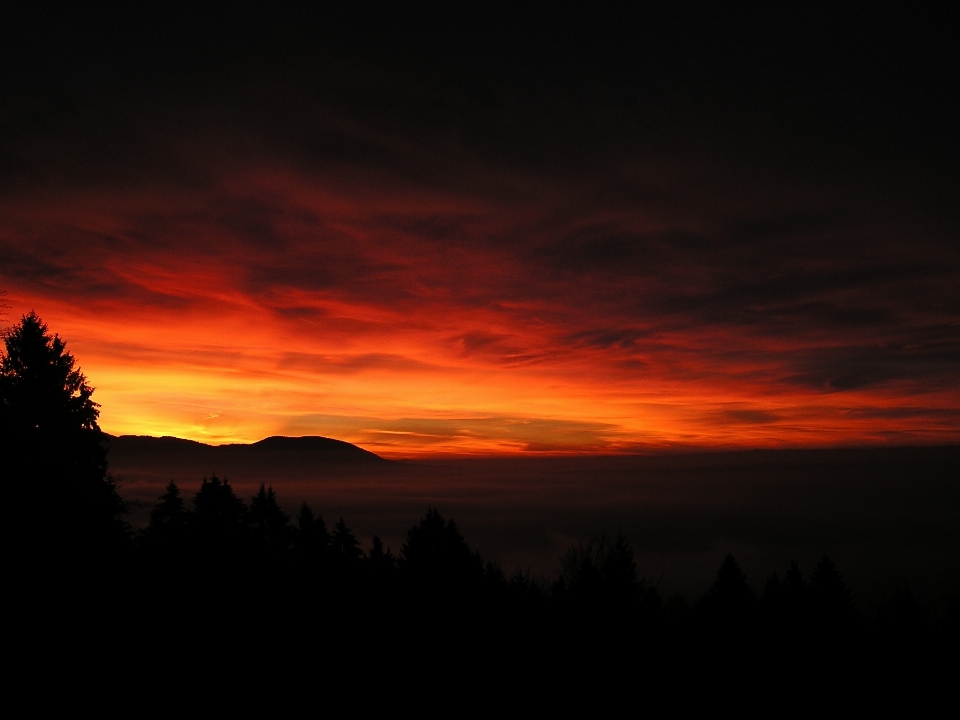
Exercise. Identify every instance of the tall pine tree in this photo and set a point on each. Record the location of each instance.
(55, 450)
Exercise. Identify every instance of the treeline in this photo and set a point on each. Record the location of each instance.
(218, 551)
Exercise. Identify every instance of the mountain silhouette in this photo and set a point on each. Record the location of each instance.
(310, 450)
(309, 444)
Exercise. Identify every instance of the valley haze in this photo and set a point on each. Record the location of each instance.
(887, 516)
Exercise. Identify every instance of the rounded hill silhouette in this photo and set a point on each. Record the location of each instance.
(277, 450)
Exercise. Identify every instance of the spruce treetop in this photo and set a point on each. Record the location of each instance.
(41, 389)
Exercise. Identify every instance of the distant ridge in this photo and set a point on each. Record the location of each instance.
(310, 443)
(313, 448)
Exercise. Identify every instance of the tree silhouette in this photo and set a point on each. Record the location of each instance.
(831, 606)
(600, 588)
(729, 604)
(270, 525)
(581, 573)
(436, 555)
(49, 421)
(42, 390)
(216, 505)
(219, 530)
(169, 512)
(381, 566)
(168, 522)
(382, 561)
(619, 572)
(311, 540)
(785, 610)
(345, 548)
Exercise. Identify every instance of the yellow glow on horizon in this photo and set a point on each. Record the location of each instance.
(347, 319)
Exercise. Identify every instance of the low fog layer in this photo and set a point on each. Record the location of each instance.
(885, 515)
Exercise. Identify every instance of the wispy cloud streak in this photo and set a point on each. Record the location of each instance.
(417, 320)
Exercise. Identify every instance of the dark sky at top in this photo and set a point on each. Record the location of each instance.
(799, 164)
(841, 94)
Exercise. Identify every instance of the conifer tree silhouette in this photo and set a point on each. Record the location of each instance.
(599, 579)
(830, 603)
(169, 511)
(380, 559)
(219, 528)
(44, 395)
(345, 548)
(311, 539)
(437, 555)
(166, 533)
(785, 609)
(216, 505)
(49, 421)
(581, 578)
(270, 525)
(729, 604)
(619, 574)
(381, 566)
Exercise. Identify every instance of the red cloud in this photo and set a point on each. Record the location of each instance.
(276, 302)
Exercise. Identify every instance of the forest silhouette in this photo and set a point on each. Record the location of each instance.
(215, 569)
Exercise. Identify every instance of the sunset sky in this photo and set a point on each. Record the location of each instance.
(484, 233)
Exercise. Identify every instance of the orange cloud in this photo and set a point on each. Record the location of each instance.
(419, 322)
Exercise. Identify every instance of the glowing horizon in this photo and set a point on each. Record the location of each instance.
(416, 323)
